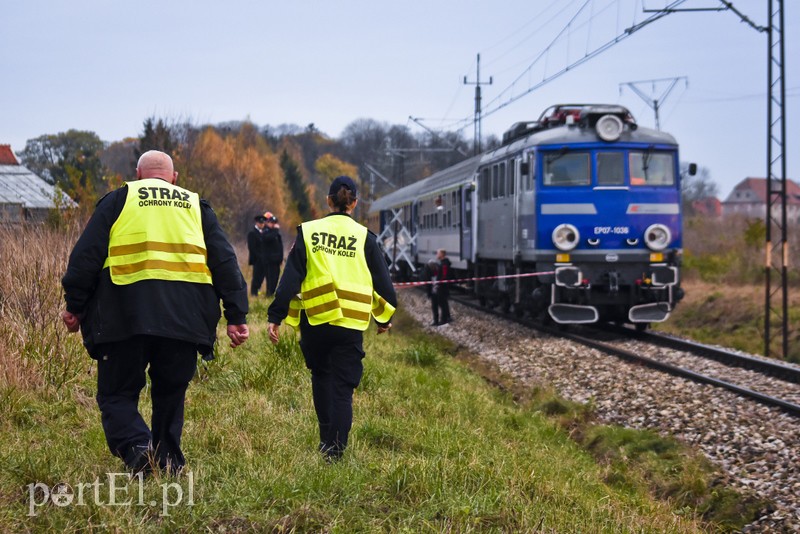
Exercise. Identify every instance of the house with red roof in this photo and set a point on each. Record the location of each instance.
(749, 199)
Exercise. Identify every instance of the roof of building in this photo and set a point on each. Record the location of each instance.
(18, 185)
(7, 156)
(754, 190)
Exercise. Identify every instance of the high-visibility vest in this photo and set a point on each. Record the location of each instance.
(158, 236)
(337, 288)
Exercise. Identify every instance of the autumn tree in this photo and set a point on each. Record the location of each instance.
(329, 167)
(156, 136)
(70, 160)
(297, 187)
(239, 175)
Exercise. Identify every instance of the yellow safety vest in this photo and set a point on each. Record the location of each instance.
(158, 236)
(337, 288)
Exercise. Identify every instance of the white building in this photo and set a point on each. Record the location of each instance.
(24, 197)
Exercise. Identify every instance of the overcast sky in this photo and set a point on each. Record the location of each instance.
(105, 66)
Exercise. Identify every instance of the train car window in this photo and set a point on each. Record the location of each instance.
(530, 178)
(485, 185)
(566, 169)
(650, 168)
(610, 168)
(501, 179)
(495, 185)
(512, 176)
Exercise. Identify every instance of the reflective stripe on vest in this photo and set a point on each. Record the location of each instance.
(381, 310)
(158, 236)
(337, 288)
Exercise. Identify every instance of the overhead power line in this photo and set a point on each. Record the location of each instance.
(497, 103)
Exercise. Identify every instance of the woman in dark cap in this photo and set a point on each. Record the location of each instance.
(337, 268)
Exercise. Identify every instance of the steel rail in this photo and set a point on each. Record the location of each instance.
(778, 369)
(786, 406)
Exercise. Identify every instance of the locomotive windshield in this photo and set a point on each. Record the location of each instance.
(651, 168)
(610, 168)
(644, 168)
(563, 168)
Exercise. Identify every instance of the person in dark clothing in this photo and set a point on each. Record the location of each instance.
(273, 252)
(256, 254)
(143, 284)
(339, 270)
(431, 274)
(445, 273)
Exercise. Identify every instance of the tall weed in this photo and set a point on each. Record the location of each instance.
(730, 250)
(35, 349)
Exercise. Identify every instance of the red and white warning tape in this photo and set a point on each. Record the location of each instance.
(479, 279)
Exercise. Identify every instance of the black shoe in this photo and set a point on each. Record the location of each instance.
(331, 454)
(435, 323)
(139, 459)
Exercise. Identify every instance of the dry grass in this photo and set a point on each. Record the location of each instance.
(35, 350)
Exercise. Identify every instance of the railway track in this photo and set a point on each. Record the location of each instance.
(633, 346)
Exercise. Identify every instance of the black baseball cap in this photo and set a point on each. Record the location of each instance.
(343, 181)
(260, 218)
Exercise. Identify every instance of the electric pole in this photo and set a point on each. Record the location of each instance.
(776, 307)
(776, 298)
(655, 103)
(477, 83)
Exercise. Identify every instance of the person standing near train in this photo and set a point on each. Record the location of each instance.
(445, 274)
(337, 268)
(431, 275)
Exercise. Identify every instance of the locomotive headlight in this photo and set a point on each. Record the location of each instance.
(608, 127)
(657, 237)
(566, 237)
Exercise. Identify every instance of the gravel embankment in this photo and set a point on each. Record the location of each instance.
(759, 447)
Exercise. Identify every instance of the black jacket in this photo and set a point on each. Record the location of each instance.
(295, 271)
(177, 310)
(255, 247)
(273, 245)
(445, 273)
(429, 272)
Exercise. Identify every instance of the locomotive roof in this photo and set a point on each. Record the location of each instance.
(435, 182)
(576, 134)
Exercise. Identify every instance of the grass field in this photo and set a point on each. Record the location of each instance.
(436, 445)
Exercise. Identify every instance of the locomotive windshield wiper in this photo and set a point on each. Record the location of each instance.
(646, 161)
(555, 157)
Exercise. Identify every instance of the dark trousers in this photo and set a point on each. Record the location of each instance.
(273, 272)
(439, 302)
(259, 273)
(120, 379)
(334, 356)
(444, 306)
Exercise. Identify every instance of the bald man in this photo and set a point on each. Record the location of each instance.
(143, 284)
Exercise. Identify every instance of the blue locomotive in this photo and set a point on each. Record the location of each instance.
(576, 217)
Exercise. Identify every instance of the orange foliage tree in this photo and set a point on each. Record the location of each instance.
(239, 175)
